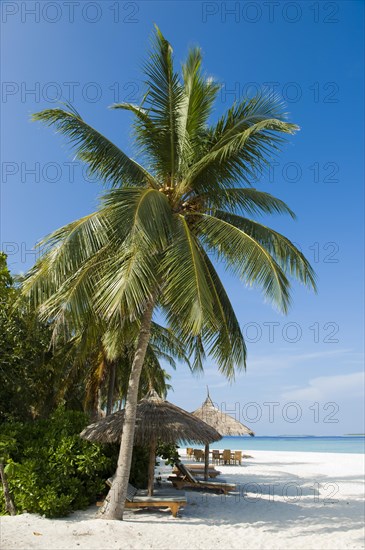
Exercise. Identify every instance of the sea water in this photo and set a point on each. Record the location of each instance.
(320, 444)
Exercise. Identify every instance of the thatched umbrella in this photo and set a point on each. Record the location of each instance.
(156, 420)
(221, 422)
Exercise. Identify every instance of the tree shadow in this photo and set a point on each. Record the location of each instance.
(276, 502)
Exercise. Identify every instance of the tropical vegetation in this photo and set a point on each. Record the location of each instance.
(50, 469)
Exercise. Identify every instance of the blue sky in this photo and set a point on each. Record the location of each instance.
(309, 53)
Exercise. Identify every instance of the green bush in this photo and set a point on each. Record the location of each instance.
(169, 452)
(51, 470)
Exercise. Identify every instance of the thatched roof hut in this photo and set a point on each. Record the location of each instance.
(156, 420)
(220, 421)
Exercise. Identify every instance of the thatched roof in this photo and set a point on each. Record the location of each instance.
(223, 423)
(155, 418)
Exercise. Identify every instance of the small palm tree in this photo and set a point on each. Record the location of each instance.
(164, 220)
(97, 363)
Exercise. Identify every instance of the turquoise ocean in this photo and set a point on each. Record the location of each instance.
(323, 444)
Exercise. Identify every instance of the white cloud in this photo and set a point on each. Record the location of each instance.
(329, 388)
(267, 364)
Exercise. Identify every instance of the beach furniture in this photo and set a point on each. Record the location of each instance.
(216, 456)
(199, 455)
(187, 480)
(237, 457)
(162, 498)
(198, 469)
(227, 456)
(190, 451)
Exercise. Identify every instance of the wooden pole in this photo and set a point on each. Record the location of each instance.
(151, 468)
(206, 463)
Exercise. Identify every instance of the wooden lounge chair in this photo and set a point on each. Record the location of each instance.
(198, 469)
(186, 479)
(160, 499)
(138, 498)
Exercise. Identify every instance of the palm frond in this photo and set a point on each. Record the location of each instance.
(242, 142)
(246, 200)
(286, 254)
(131, 273)
(199, 95)
(151, 142)
(186, 289)
(74, 298)
(104, 158)
(163, 99)
(227, 346)
(165, 340)
(145, 210)
(244, 256)
(196, 350)
(66, 251)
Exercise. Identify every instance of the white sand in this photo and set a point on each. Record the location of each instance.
(329, 512)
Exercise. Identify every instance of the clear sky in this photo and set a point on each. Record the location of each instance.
(311, 53)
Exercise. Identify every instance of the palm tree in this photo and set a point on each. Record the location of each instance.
(164, 220)
(97, 365)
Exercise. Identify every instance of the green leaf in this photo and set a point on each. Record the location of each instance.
(103, 157)
(186, 289)
(245, 256)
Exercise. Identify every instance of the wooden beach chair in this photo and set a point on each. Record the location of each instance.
(237, 457)
(198, 469)
(190, 451)
(199, 455)
(216, 456)
(226, 456)
(187, 480)
(138, 498)
(160, 499)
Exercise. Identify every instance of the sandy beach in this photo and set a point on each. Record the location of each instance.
(285, 500)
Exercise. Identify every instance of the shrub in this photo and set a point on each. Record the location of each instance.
(169, 452)
(51, 470)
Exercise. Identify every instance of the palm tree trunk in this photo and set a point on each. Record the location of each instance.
(114, 504)
(99, 405)
(111, 384)
(9, 503)
(206, 463)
